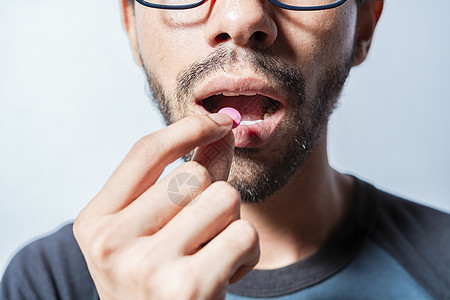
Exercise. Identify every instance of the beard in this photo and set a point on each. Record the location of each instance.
(258, 173)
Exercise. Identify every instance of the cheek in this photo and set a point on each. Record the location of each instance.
(338, 36)
(168, 43)
(319, 39)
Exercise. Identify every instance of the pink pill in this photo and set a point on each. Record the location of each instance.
(234, 114)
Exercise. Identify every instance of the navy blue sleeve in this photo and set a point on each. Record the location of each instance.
(418, 237)
(50, 268)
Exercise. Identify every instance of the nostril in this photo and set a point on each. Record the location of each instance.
(222, 37)
(259, 36)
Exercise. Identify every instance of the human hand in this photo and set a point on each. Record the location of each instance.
(141, 244)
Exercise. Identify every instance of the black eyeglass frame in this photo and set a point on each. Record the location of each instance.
(275, 2)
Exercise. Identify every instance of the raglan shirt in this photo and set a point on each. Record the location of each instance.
(388, 248)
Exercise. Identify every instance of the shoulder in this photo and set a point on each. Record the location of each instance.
(393, 212)
(423, 226)
(52, 267)
(416, 236)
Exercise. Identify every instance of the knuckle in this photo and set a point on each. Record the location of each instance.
(227, 196)
(149, 144)
(102, 246)
(248, 236)
(198, 171)
(82, 227)
(99, 253)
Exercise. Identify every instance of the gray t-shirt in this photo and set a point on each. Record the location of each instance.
(388, 248)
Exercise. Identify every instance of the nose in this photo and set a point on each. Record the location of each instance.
(246, 23)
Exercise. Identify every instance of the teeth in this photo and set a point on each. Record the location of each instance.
(248, 93)
(271, 110)
(250, 122)
(232, 94)
(229, 94)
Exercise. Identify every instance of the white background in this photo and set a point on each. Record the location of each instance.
(72, 103)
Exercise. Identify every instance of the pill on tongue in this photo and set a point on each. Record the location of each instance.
(234, 114)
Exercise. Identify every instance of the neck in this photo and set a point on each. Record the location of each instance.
(296, 221)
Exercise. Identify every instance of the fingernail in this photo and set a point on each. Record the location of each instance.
(221, 119)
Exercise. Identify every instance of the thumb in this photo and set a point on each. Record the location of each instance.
(217, 157)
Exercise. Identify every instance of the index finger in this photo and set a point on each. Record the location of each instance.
(150, 155)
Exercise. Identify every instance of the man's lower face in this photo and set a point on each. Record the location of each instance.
(261, 168)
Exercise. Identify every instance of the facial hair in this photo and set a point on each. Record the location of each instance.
(258, 173)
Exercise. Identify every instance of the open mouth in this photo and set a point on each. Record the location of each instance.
(254, 108)
(260, 115)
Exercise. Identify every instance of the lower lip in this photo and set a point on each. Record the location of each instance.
(255, 135)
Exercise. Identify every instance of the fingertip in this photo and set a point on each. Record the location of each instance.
(222, 119)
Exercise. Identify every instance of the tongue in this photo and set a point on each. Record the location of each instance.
(250, 107)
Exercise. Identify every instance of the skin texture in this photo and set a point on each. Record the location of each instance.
(134, 236)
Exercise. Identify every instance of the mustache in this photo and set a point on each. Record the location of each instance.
(284, 76)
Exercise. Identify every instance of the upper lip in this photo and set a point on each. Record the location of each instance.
(237, 86)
